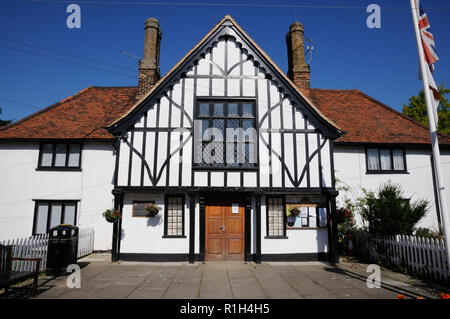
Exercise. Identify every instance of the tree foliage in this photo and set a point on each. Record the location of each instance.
(417, 109)
(3, 122)
(389, 212)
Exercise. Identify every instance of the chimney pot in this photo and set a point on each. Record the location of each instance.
(149, 65)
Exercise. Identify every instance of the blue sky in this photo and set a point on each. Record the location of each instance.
(347, 55)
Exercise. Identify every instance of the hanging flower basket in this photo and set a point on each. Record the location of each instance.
(111, 215)
(152, 209)
(294, 210)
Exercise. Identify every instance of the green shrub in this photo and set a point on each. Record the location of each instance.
(388, 212)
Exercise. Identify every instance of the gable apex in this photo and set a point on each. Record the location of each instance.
(227, 27)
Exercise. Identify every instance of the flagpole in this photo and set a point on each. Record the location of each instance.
(433, 134)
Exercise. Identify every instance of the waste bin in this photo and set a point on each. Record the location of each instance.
(62, 249)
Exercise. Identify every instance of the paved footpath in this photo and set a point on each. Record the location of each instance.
(285, 280)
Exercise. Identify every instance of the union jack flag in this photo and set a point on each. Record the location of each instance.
(427, 37)
(429, 56)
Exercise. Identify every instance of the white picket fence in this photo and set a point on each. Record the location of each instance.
(29, 247)
(85, 241)
(36, 247)
(424, 256)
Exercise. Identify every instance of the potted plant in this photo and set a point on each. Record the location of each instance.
(111, 215)
(152, 209)
(294, 211)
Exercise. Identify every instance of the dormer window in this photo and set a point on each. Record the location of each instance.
(60, 156)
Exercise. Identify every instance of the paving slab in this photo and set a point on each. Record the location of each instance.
(274, 285)
(215, 284)
(185, 284)
(244, 285)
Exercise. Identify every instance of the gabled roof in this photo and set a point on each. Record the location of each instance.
(187, 59)
(83, 115)
(367, 120)
(86, 114)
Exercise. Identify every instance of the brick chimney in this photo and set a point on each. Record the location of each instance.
(149, 65)
(298, 68)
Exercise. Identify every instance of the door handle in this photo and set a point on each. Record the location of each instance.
(222, 227)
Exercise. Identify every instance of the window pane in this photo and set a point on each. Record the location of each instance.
(41, 219)
(232, 109)
(47, 155)
(247, 109)
(219, 130)
(385, 156)
(206, 134)
(218, 109)
(203, 109)
(69, 214)
(373, 160)
(247, 126)
(399, 164)
(322, 217)
(74, 155)
(55, 218)
(60, 155)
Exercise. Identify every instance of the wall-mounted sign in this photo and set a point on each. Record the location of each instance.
(235, 208)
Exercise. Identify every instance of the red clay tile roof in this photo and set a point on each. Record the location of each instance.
(83, 115)
(86, 114)
(366, 120)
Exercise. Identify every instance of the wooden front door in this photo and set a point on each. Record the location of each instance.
(225, 229)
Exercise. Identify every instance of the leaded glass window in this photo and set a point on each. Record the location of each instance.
(228, 134)
(174, 216)
(276, 217)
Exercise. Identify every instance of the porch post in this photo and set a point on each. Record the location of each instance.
(201, 202)
(191, 227)
(118, 199)
(248, 228)
(333, 253)
(258, 228)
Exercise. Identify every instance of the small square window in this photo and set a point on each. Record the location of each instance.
(60, 156)
(385, 160)
(49, 214)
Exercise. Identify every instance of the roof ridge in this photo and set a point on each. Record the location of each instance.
(48, 108)
(115, 87)
(387, 107)
(319, 89)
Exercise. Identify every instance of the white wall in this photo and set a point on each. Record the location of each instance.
(308, 240)
(145, 235)
(20, 183)
(350, 171)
